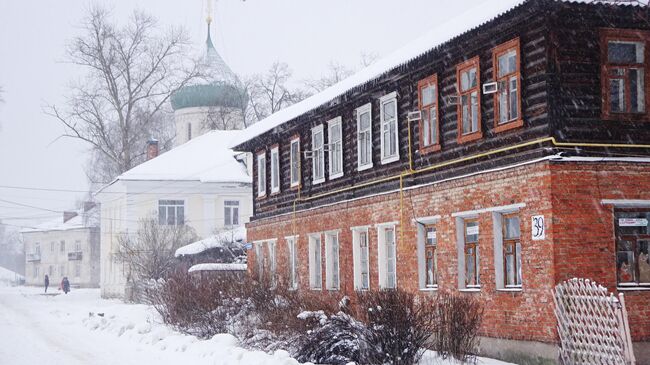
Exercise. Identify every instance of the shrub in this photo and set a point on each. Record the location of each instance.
(332, 340)
(458, 321)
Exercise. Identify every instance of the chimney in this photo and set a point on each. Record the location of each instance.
(68, 215)
(152, 148)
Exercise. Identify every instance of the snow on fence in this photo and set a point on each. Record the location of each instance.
(592, 325)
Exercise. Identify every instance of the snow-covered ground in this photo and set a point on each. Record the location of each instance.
(8, 277)
(68, 329)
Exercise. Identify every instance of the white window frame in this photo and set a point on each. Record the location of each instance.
(421, 223)
(275, 170)
(360, 111)
(259, 256)
(497, 231)
(332, 151)
(231, 211)
(321, 154)
(261, 174)
(295, 177)
(356, 256)
(460, 245)
(315, 268)
(382, 260)
(392, 97)
(271, 249)
(176, 206)
(292, 249)
(332, 261)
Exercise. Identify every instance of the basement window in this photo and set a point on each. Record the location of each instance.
(469, 100)
(624, 74)
(632, 247)
(507, 100)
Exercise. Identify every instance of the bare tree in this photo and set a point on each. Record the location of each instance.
(149, 254)
(335, 72)
(270, 92)
(131, 71)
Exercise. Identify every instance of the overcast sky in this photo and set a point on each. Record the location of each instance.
(250, 35)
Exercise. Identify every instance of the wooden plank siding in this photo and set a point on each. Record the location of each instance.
(560, 92)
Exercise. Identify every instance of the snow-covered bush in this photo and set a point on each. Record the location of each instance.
(338, 339)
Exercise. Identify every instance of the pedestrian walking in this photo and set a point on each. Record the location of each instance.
(47, 282)
(65, 284)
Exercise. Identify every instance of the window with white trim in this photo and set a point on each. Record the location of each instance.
(389, 130)
(361, 256)
(170, 213)
(295, 161)
(468, 252)
(335, 150)
(259, 257)
(271, 262)
(293, 262)
(427, 253)
(507, 250)
(317, 155)
(387, 257)
(332, 281)
(364, 137)
(231, 213)
(275, 169)
(261, 174)
(315, 262)
(62, 248)
(632, 231)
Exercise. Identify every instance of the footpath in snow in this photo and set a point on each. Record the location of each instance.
(68, 329)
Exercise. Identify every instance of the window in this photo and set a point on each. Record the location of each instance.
(52, 245)
(271, 263)
(275, 169)
(507, 100)
(430, 266)
(511, 250)
(295, 161)
(231, 212)
(259, 255)
(261, 174)
(315, 262)
(62, 246)
(624, 74)
(388, 119)
(632, 247)
(37, 249)
(361, 258)
(387, 257)
(171, 212)
(471, 253)
(364, 137)
(77, 246)
(335, 150)
(469, 100)
(332, 261)
(318, 158)
(293, 262)
(189, 131)
(77, 270)
(428, 102)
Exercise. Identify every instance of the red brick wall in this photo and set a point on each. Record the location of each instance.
(579, 238)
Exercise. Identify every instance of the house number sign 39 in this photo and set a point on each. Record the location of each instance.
(538, 228)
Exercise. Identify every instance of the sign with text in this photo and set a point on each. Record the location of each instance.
(471, 230)
(632, 222)
(538, 228)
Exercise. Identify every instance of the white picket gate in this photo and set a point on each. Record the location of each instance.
(592, 325)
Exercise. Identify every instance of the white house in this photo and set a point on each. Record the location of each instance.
(201, 183)
(67, 246)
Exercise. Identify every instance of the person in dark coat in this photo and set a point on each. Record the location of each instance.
(47, 282)
(65, 284)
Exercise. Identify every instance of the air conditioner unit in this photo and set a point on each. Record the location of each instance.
(490, 88)
(308, 154)
(414, 116)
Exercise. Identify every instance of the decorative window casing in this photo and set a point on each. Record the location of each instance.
(389, 128)
(469, 100)
(468, 252)
(294, 156)
(361, 257)
(507, 72)
(317, 154)
(332, 279)
(265, 255)
(170, 212)
(261, 174)
(625, 76)
(231, 213)
(275, 169)
(271, 262)
(507, 250)
(427, 252)
(387, 256)
(315, 262)
(292, 250)
(632, 231)
(429, 114)
(335, 150)
(364, 137)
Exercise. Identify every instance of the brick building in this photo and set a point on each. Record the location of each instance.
(495, 162)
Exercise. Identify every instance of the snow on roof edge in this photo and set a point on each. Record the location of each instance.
(218, 267)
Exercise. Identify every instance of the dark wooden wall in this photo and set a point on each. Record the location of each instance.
(560, 97)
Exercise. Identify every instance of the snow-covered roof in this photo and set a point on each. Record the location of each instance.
(8, 275)
(206, 158)
(217, 267)
(218, 240)
(82, 220)
(481, 13)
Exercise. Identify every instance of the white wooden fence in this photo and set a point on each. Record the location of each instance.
(592, 325)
